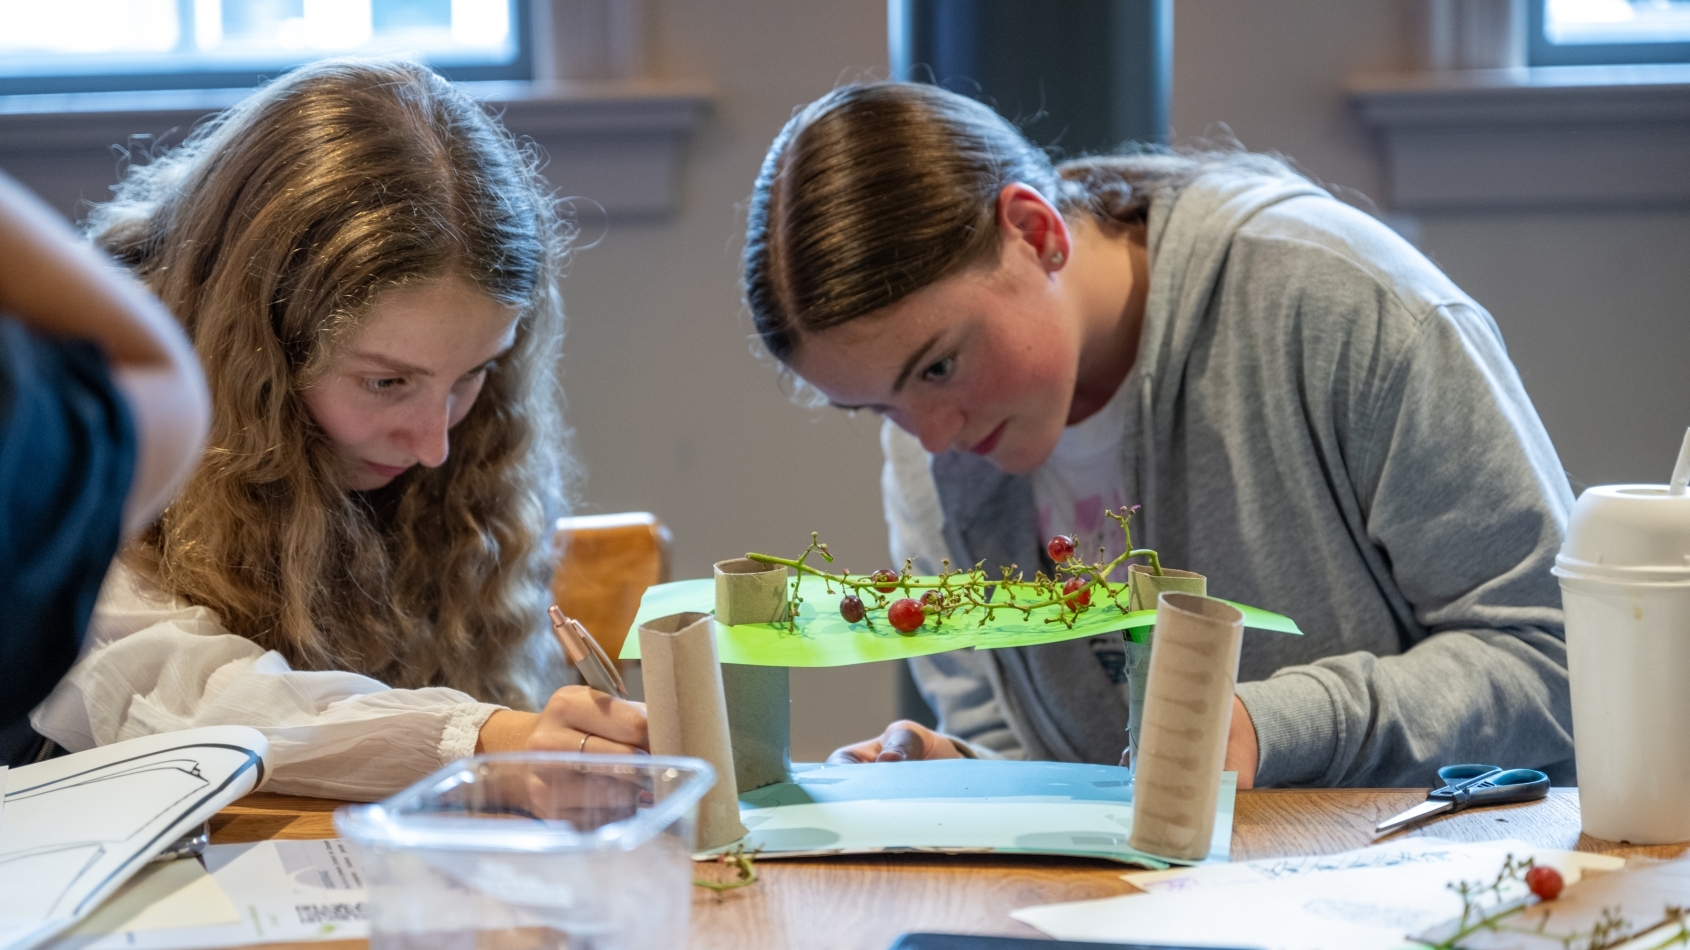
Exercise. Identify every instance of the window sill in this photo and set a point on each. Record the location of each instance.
(1594, 136)
(618, 143)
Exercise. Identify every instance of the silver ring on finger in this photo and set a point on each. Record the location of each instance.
(583, 747)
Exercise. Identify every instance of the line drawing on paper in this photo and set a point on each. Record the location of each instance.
(69, 837)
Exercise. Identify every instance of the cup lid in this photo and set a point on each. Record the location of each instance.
(1633, 533)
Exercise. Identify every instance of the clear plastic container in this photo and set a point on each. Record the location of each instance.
(531, 850)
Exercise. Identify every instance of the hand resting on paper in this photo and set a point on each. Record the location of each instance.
(905, 741)
(576, 719)
(1242, 752)
(902, 741)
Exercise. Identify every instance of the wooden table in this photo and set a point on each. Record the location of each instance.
(866, 902)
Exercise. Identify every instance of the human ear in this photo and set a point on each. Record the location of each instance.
(1025, 216)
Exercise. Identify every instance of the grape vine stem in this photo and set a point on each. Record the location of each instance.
(971, 589)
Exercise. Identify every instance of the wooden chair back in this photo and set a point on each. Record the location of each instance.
(606, 563)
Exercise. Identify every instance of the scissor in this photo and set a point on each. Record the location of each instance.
(1472, 786)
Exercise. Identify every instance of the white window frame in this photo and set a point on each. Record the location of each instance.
(1541, 52)
(520, 68)
(607, 133)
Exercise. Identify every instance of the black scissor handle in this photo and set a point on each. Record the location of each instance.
(1496, 787)
(1455, 776)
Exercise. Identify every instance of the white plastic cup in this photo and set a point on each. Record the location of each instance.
(1625, 586)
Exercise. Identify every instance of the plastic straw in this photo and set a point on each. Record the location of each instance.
(1681, 471)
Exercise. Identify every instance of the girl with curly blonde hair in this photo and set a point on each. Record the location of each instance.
(367, 266)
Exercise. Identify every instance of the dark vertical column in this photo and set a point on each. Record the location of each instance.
(1081, 75)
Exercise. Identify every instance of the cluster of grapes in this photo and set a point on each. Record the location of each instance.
(953, 591)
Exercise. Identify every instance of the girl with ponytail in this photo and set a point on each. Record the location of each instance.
(1307, 410)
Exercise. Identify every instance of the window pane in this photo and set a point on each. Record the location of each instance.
(88, 27)
(94, 37)
(1579, 22)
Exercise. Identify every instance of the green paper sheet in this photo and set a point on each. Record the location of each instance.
(825, 639)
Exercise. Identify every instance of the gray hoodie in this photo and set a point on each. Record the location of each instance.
(1327, 427)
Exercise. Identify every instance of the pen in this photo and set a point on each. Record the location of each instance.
(588, 657)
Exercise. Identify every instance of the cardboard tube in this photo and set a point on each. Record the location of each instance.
(688, 716)
(1143, 586)
(1138, 678)
(1187, 712)
(748, 591)
(760, 723)
(759, 697)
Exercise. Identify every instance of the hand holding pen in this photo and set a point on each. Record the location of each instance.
(593, 718)
(590, 718)
(597, 669)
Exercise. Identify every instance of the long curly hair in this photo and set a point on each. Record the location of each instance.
(269, 233)
(879, 189)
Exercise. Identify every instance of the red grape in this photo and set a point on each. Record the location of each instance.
(905, 615)
(1545, 882)
(888, 581)
(1074, 584)
(932, 598)
(851, 608)
(1061, 548)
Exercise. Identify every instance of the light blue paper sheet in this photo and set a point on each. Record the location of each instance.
(959, 806)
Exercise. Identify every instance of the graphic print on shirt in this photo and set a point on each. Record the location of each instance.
(1091, 530)
(1083, 478)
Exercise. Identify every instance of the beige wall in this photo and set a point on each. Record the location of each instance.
(1273, 74)
(673, 412)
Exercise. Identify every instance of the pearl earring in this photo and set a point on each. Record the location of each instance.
(1056, 259)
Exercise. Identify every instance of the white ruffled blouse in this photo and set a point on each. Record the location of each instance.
(153, 664)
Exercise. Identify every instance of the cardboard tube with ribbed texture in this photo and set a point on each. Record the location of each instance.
(687, 714)
(1187, 712)
(1143, 586)
(750, 591)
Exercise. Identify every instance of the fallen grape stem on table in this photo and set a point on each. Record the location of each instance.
(1610, 930)
(745, 872)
